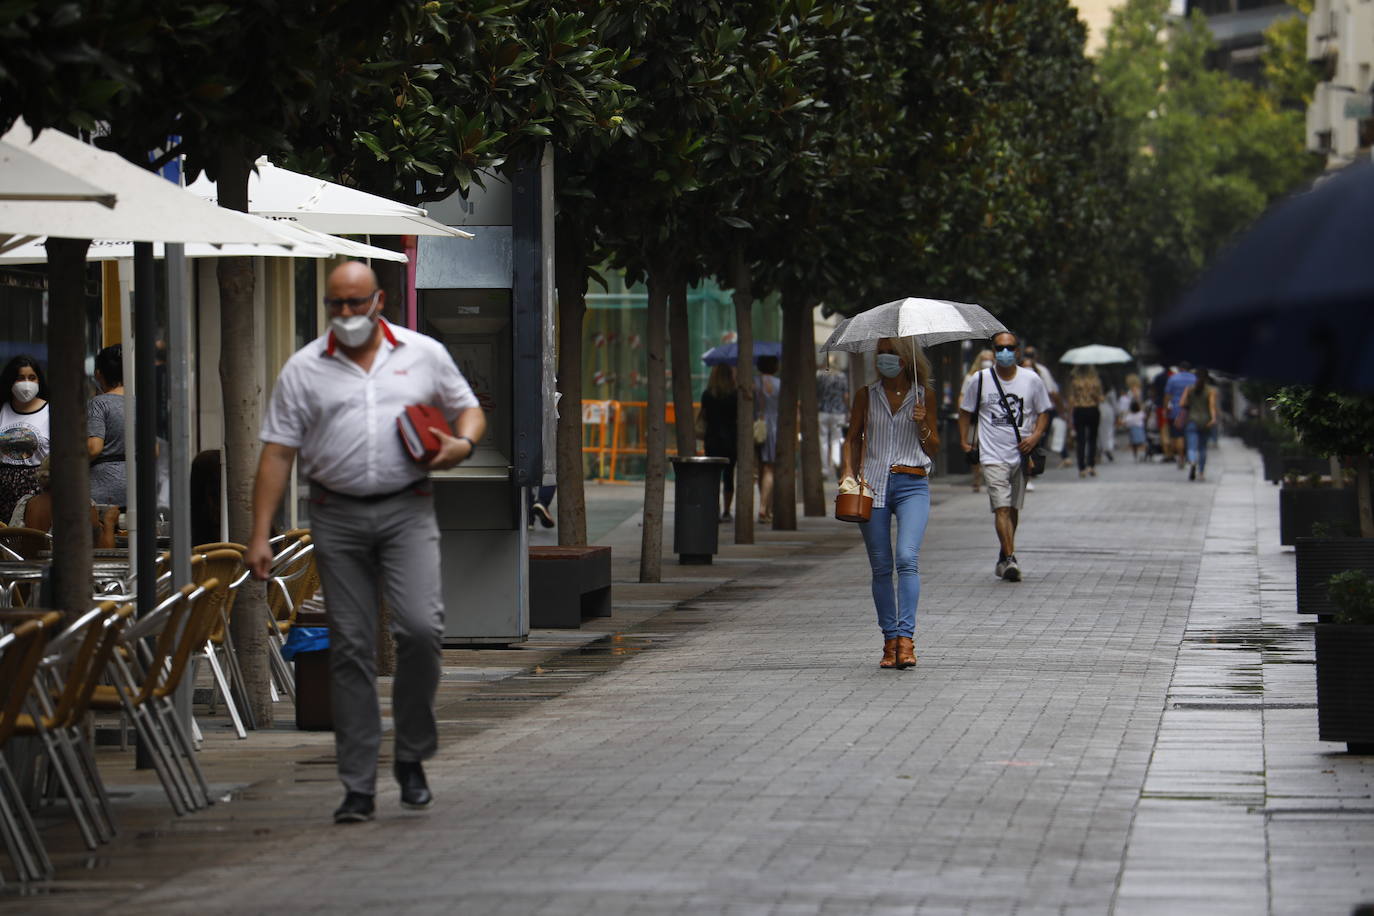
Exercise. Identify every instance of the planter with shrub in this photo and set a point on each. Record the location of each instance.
(1345, 664)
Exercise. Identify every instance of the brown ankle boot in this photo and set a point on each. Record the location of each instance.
(906, 652)
(889, 654)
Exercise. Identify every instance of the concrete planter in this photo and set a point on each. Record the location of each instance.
(1302, 507)
(1345, 685)
(1318, 559)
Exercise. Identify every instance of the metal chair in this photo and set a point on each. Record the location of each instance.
(21, 650)
(225, 565)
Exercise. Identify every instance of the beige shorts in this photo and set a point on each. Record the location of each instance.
(1006, 485)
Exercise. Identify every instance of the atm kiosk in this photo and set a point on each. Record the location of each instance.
(489, 300)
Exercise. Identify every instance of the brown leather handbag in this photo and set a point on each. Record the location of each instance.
(856, 507)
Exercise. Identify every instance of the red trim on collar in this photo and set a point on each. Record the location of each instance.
(386, 332)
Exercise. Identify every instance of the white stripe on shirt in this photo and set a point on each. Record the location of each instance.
(890, 438)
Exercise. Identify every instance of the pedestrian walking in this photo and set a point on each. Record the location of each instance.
(1085, 398)
(105, 430)
(832, 403)
(541, 498)
(1135, 429)
(891, 438)
(766, 409)
(1180, 381)
(1012, 417)
(980, 362)
(719, 409)
(336, 403)
(1106, 438)
(1198, 406)
(24, 435)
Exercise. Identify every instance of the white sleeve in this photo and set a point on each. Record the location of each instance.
(1040, 397)
(968, 398)
(285, 420)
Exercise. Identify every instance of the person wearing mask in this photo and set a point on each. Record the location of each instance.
(1198, 406)
(1085, 396)
(891, 438)
(980, 362)
(24, 431)
(372, 518)
(718, 412)
(105, 430)
(1012, 417)
(766, 409)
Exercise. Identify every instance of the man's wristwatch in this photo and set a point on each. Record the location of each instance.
(472, 446)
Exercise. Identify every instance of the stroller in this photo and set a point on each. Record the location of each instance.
(1154, 444)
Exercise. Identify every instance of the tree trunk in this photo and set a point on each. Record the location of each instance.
(784, 506)
(570, 276)
(680, 342)
(651, 534)
(813, 486)
(238, 374)
(1362, 484)
(68, 462)
(744, 389)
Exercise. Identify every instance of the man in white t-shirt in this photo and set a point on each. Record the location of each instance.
(1014, 400)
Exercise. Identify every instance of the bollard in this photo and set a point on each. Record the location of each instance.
(696, 503)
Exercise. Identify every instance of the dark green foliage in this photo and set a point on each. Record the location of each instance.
(1352, 592)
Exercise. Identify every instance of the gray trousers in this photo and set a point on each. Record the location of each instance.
(367, 550)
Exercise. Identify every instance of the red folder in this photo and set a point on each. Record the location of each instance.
(421, 444)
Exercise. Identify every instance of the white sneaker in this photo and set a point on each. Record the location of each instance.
(1011, 572)
(1030, 486)
(1000, 568)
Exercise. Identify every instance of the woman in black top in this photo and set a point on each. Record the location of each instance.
(718, 411)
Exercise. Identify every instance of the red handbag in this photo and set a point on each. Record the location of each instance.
(414, 426)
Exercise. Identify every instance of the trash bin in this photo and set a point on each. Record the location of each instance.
(308, 646)
(696, 503)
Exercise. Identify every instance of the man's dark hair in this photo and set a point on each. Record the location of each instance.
(1185, 366)
(109, 362)
(10, 375)
(1012, 334)
(767, 364)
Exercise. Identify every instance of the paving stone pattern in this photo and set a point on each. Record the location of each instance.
(1067, 744)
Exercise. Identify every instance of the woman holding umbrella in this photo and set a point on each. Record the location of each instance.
(891, 439)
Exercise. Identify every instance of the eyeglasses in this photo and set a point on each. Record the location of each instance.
(351, 303)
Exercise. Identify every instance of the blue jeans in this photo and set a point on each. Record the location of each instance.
(1196, 439)
(908, 499)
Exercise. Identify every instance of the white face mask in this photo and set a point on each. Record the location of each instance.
(987, 364)
(25, 391)
(354, 330)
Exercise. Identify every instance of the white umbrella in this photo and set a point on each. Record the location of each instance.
(328, 207)
(148, 208)
(310, 245)
(931, 321)
(23, 176)
(1095, 355)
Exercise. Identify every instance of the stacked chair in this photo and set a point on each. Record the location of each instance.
(110, 660)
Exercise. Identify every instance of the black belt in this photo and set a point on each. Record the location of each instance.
(370, 497)
(106, 459)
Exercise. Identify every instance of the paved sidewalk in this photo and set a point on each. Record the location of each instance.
(1130, 729)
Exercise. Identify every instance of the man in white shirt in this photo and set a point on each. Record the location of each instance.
(1014, 402)
(372, 518)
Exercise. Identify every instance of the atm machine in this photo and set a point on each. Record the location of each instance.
(489, 300)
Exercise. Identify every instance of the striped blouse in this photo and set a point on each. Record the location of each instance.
(890, 438)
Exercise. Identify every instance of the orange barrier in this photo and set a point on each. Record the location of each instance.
(613, 430)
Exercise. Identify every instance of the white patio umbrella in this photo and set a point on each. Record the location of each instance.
(931, 321)
(147, 207)
(326, 206)
(1095, 355)
(24, 176)
(311, 244)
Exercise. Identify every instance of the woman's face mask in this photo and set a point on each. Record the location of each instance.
(24, 391)
(889, 364)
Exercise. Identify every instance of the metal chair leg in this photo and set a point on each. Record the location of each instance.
(26, 846)
(222, 684)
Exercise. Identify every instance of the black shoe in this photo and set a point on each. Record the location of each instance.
(1012, 571)
(541, 512)
(414, 790)
(356, 808)
(1192, 472)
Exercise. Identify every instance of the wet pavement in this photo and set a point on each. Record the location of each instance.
(1132, 729)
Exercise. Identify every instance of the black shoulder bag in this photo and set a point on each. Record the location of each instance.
(1033, 463)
